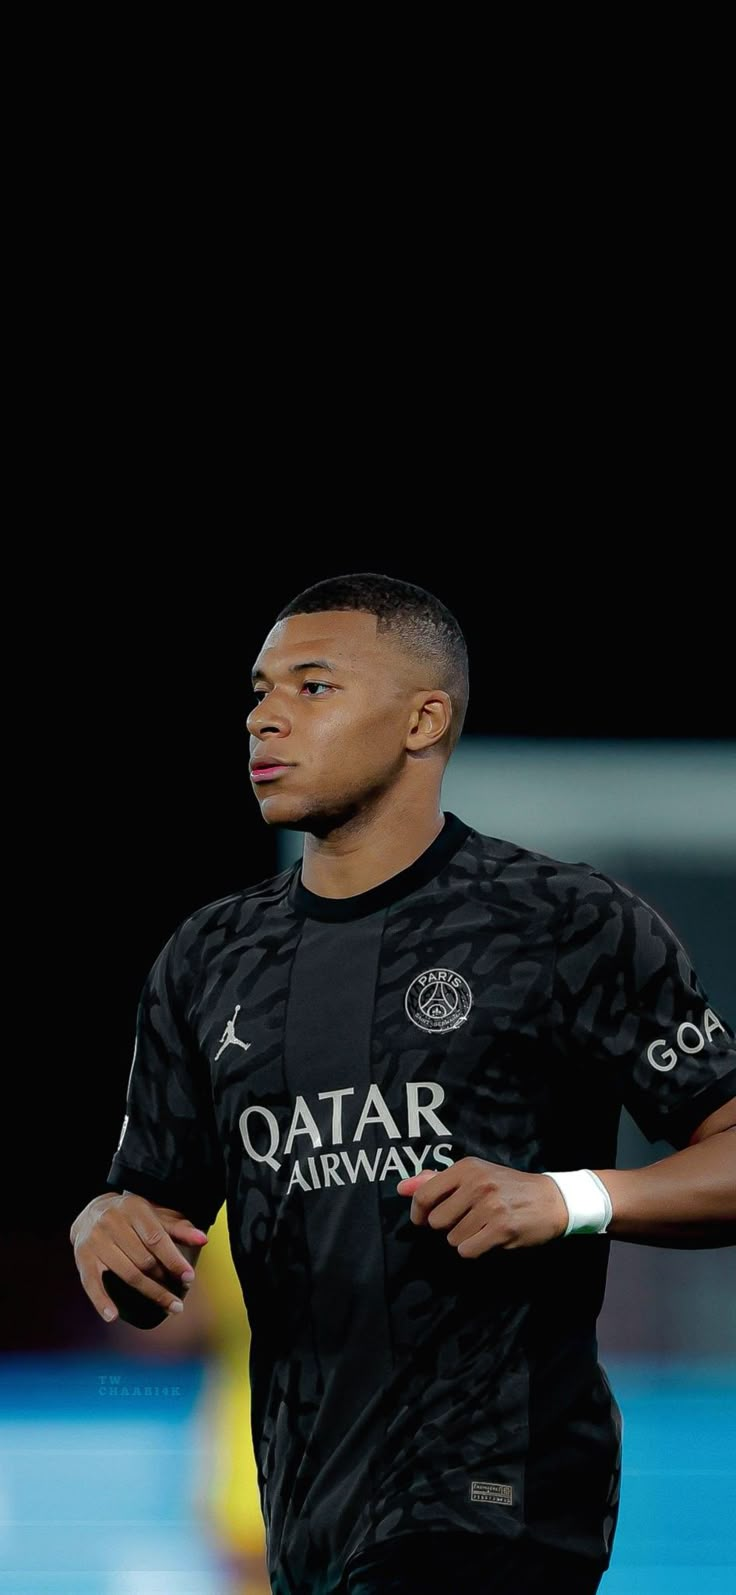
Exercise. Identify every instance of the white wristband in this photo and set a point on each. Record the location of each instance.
(587, 1200)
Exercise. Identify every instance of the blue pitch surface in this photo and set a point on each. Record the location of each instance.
(99, 1462)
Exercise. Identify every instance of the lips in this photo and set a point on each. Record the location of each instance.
(264, 771)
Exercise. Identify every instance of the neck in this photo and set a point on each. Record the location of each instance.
(369, 848)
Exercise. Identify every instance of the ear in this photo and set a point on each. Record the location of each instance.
(430, 721)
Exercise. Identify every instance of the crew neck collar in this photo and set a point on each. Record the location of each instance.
(424, 868)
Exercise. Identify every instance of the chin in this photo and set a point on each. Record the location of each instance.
(291, 814)
(278, 809)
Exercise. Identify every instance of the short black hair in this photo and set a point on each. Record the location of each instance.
(420, 622)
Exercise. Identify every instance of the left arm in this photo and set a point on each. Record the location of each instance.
(673, 1061)
(628, 1001)
(688, 1199)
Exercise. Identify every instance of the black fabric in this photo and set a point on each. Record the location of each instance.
(296, 1058)
(447, 1563)
(335, 910)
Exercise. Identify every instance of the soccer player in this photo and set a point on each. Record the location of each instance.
(401, 1064)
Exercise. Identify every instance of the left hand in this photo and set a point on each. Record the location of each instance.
(483, 1205)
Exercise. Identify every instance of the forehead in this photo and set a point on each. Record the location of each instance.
(347, 637)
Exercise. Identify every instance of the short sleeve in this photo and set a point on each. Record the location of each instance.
(169, 1150)
(629, 999)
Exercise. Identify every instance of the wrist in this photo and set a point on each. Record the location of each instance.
(587, 1199)
(98, 1204)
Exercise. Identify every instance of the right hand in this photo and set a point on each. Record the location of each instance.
(135, 1239)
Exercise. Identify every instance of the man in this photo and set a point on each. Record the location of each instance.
(402, 1065)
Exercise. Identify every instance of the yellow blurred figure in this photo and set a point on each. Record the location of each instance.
(227, 1493)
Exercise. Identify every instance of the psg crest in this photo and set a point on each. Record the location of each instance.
(438, 1000)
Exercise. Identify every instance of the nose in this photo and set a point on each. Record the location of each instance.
(263, 718)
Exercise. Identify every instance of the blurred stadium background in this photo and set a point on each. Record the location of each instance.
(582, 740)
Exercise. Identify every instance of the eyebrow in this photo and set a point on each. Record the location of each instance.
(309, 664)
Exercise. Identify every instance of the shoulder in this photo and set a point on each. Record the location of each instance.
(559, 888)
(208, 928)
(585, 911)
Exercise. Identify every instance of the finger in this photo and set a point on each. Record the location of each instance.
(429, 1188)
(439, 1205)
(452, 1210)
(153, 1225)
(408, 1187)
(157, 1241)
(155, 1270)
(183, 1231)
(162, 1294)
(151, 1265)
(483, 1241)
(467, 1226)
(179, 1284)
(91, 1281)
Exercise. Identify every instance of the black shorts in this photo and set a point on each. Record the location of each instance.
(454, 1562)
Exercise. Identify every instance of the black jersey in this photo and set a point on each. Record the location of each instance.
(296, 1056)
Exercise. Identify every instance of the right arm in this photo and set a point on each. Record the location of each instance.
(134, 1244)
(135, 1258)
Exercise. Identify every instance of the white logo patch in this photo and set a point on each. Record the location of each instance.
(490, 1492)
(229, 1038)
(689, 1039)
(438, 1000)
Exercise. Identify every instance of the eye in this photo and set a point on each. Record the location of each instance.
(259, 696)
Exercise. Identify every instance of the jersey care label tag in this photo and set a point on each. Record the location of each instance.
(492, 1494)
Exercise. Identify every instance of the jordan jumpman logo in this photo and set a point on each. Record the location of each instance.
(229, 1038)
